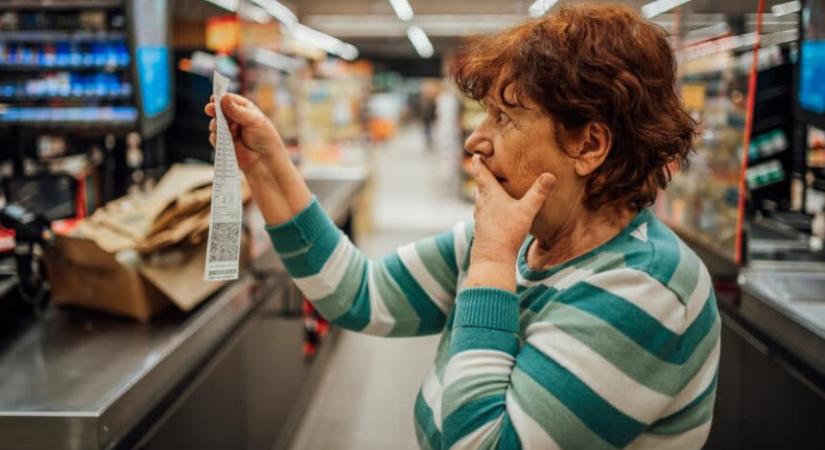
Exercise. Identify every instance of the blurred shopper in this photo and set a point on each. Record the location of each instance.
(428, 116)
(570, 316)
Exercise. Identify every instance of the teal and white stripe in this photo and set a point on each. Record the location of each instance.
(618, 348)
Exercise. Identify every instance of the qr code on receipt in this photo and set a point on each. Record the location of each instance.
(223, 242)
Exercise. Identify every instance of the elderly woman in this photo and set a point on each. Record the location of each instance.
(570, 316)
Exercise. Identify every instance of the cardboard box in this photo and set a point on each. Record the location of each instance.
(140, 254)
(83, 274)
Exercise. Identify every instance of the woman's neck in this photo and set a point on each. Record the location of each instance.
(579, 234)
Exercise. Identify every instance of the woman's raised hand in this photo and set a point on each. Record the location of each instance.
(277, 186)
(501, 225)
(254, 135)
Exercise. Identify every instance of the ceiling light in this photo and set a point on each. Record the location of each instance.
(279, 11)
(709, 32)
(251, 12)
(420, 41)
(276, 60)
(324, 41)
(357, 26)
(653, 9)
(402, 9)
(539, 7)
(348, 51)
(786, 8)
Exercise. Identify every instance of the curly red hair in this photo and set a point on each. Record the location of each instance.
(593, 63)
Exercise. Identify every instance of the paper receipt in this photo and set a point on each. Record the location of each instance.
(224, 244)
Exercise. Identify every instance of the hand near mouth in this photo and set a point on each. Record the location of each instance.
(501, 225)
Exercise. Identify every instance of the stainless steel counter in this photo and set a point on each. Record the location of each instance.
(77, 379)
(787, 303)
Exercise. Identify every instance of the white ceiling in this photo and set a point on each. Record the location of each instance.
(373, 27)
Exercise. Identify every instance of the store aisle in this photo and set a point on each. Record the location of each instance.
(366, 396)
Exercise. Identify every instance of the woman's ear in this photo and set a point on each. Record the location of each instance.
(597, 140)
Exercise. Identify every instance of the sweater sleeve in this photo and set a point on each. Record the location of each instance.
(597, 369)
(407, 293)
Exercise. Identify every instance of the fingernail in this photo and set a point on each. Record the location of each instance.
(546, 180)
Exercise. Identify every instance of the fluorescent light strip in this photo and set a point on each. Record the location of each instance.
(279, 11)
(653, 9)
(783, 9)
(539, 7)
(324, 41)
(402, 9)
(306, 34)
(229, 5)
(420, 41)
(277, 60)
(711, 31)
(738, 42)
(352, 26)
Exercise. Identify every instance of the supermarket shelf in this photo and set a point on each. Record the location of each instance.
(762, 186)
(752, 161)
(60, 4)
(704, 75)
(81, 124)
(48, 68)
(772, 93)
(62, 36)
(768, 123)
(72, 98)
(83, 117)
(98, 126)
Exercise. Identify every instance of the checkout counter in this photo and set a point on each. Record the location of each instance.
(229, 375)
(771, 391)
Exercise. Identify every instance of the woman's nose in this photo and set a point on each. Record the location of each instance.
(479, 144)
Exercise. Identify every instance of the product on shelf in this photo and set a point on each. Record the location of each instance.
(816, 148)
(86, 114)
(768, 144)
(765, 174)
(62, 85)
(64, 55)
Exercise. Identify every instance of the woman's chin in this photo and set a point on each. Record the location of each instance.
(513, 191)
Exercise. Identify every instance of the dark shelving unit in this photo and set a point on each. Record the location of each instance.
(66, 36)
(37, 67)
(72, 68)
(60, 5)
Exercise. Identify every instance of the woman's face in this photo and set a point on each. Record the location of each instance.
(518, 145)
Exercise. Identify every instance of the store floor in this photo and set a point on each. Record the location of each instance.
(366, 396)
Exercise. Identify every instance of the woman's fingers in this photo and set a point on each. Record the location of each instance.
(484, 178)
(239, 99)
(534, 198)
(239, 110)
(233, 127)
(209, 109)
(213, 139)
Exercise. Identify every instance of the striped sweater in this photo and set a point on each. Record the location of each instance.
(617, 348)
